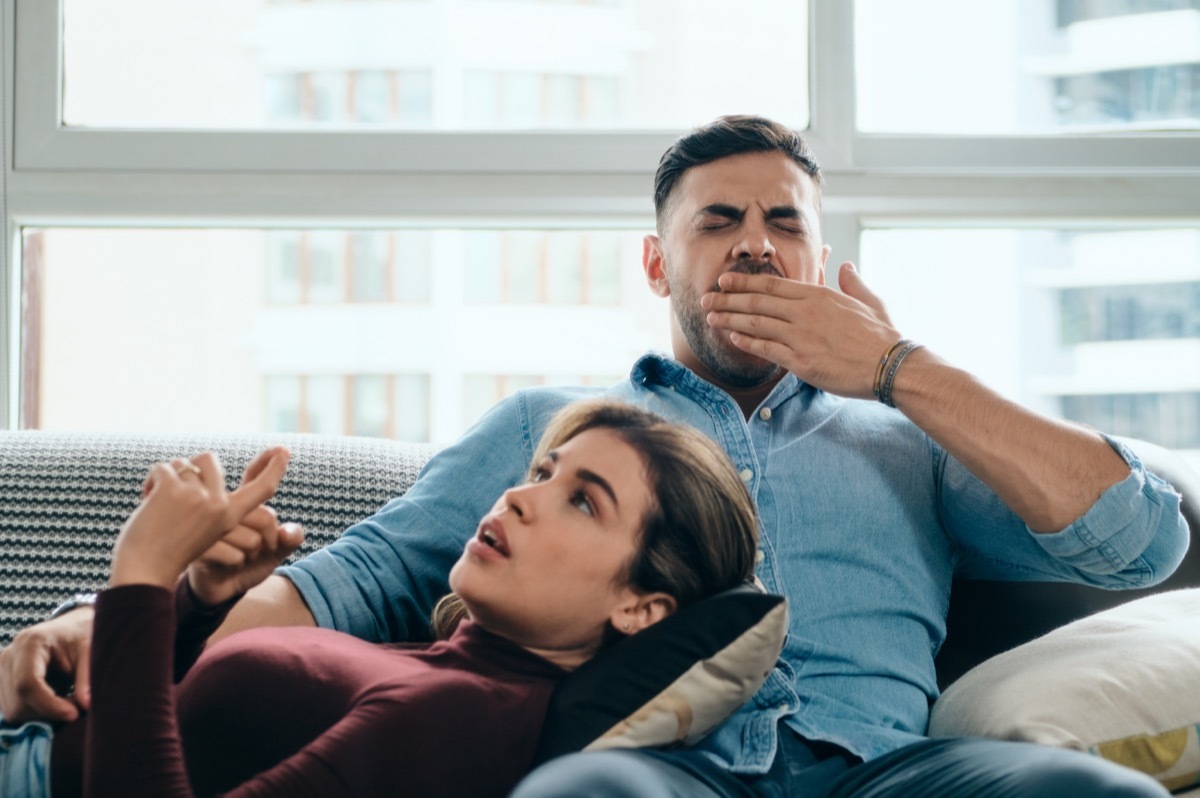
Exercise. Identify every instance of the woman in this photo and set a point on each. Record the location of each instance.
(623, 519)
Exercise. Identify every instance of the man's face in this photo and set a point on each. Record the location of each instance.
(753, 213)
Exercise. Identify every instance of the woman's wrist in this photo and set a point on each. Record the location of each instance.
(127, 573)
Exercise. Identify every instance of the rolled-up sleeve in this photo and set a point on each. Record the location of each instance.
(1133, 536)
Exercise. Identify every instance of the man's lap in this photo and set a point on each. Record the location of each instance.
(948, 768)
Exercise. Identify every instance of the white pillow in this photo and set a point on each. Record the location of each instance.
(1123, 684)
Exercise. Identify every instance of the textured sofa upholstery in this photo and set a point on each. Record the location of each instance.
(63, 497)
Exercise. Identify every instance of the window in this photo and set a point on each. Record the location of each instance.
(1041, 67)
(301, 330)
(1098, 325)
(429, 65)
(352, 210)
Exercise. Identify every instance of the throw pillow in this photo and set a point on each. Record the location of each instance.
(671, 683)
(1123, 684)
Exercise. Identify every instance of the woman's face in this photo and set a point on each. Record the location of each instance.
(547, 565)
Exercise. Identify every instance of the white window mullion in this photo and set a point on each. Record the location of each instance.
(10, 323)
(831, 79)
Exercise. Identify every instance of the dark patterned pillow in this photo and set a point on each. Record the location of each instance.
(671, 683)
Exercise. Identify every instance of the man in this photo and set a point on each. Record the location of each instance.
(868, 508)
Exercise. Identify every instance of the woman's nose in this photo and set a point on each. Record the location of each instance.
(521, 500)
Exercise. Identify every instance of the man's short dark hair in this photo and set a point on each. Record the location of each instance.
(728, 135)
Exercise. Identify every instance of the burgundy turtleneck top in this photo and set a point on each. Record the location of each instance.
(301, 711)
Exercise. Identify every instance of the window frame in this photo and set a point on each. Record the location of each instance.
(55, 175)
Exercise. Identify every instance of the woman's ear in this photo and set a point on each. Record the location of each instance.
(642, 610)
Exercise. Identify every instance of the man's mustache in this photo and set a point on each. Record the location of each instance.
(748, 266)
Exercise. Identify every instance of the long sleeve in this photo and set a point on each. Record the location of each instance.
(133, 745)
(305, 712)
(194, 624)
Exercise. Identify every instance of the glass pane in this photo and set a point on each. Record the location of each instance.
(413, 265)
(411, 407)
(326, 405)
(1027, 66)
(283, 400)
(371, 256)
(235, 331)
(1068, 326)
(431, 64)
(371, 406)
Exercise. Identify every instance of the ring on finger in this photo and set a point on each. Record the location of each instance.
(186, 466)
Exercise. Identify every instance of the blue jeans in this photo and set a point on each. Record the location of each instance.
(25, 760)
(949, 768)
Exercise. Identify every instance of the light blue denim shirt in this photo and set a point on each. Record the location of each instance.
(865, 521)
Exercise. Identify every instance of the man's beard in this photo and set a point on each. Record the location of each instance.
(727, 363)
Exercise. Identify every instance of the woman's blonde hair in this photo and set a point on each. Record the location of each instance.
(700, 534)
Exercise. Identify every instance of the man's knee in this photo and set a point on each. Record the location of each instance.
(1081, 774)
(610, 774)
(951, 768)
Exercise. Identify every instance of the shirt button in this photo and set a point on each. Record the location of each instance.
(765, 414)
(747, 475)
(759, 556)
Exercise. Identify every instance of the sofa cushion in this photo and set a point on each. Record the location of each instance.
(1123, 684)
(671, 683)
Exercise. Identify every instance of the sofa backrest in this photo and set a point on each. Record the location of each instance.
(64, 496)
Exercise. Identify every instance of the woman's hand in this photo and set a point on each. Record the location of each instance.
(247, 554)
(185, 510)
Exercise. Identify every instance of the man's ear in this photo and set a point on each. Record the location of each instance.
(642, 610)
(655, 265)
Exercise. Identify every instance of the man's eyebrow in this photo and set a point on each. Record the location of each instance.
(723, 210)
(785, 212)
(596, 479)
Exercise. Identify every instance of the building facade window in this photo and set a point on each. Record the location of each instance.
(1068, 12)
(371, 405)
(333, 267)
(567, 267)
(1168, 419)
(1130, 312)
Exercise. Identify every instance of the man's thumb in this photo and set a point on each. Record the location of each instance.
(853, 285)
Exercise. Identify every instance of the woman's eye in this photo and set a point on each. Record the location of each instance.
(581, 501)
(539, 475)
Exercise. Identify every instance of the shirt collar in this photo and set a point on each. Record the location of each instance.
(653, 368)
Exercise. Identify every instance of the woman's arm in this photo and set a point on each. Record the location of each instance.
(133, 742)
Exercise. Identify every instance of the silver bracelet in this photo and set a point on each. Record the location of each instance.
(885, 389)
(74, 603)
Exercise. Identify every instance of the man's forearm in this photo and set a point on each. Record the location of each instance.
(1048, 472)
(275, 602)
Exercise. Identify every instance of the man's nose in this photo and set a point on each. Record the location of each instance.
(755, 244)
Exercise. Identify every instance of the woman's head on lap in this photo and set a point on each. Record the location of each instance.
(623, 519)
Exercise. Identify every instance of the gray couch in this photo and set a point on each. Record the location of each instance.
(63, 497)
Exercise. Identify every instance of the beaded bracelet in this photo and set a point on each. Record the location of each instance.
(885, 390)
